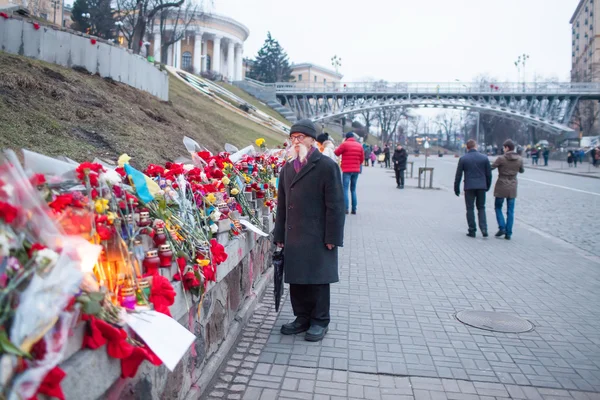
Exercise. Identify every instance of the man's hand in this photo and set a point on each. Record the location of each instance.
(457, 193)
(280, 245)
(330, 246)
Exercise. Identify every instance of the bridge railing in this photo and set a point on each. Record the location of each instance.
(438, 88)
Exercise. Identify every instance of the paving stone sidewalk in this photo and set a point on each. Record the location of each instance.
(406, 269)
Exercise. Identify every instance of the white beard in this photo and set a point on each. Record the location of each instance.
(300, 154)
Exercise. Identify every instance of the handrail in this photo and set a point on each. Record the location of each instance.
(566, 88)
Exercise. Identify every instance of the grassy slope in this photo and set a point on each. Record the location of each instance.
(255, 102)
(59, 111)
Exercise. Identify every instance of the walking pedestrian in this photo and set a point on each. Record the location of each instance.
(534, 156)
(399, 158)
(326, 146)
(575, 158)
(373, 158)
(310, 244)
(546, 154)
(352, 154)
(386, 153)
(367, 150)
(478, 180)
(509, 165)
(570, 158)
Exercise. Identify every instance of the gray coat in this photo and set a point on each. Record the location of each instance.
(509, 165)
(310, 214)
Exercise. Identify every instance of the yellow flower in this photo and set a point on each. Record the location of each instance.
(211, 198)
(235, 192)
(247, 178)
(111, 216)
(260, 142)
(101, 205)
(202, 263)
(225, 180)
(124, 159)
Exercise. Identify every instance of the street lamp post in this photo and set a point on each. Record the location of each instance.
(520, 64)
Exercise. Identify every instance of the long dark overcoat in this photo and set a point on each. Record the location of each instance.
(310, 214)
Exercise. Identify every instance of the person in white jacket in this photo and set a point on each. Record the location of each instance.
(326, 146)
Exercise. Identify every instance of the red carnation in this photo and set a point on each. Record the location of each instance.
(103, 231)
(218, 252)
(35, 247)
(37, 180)
(190, 281)
(90, 169)
(121, 171)
(210, 274)
(93, 41)
(155, 170)
(7, 212)
(36, 26)
(205, 155)
(4, 15)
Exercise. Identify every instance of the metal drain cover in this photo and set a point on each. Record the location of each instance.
(494, 321)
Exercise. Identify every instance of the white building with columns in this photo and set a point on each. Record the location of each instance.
(212, 42)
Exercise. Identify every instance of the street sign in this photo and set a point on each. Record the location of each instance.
(426, 145)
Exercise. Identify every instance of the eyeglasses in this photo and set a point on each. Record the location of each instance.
(298, 138)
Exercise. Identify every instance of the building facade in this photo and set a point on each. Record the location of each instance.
(311, 74)
(585, 51)
(50, 10)
(210, 43)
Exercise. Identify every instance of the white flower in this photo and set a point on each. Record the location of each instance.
(111, 177)
(188, 167)
(4, 246)
(216, 215)
(214, 228)
(46, 259)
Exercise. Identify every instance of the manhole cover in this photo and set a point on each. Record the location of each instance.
(494, 321)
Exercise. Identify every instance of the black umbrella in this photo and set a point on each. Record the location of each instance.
(278, 278)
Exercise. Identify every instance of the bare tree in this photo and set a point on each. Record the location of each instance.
(448, 123)
(388, 121)
(173, 24)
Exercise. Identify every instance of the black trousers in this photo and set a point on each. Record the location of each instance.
(476, 198)
(311, 303)
(399, 176)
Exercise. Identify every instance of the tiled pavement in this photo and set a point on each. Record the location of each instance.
(406, 269)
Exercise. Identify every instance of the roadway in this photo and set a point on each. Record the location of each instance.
(566, 207)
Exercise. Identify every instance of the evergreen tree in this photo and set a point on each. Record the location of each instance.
(272, 63)
(100, 23)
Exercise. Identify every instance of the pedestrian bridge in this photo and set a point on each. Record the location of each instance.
(549, 106)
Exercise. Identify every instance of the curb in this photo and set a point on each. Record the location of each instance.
(215, 363)
(564, 172)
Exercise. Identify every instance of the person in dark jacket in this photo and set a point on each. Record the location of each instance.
(310, 228)
(478, 180)
(509, 166)
(399, 158)
(386, 153)
(546, 154)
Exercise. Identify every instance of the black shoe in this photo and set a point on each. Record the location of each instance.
(347, 212)
(294, 328)
(484, 233)
(500, 233)
(353, 212)
(471, 234)
(507, 237)
(398, 187)
(401, 186)
(316, 333)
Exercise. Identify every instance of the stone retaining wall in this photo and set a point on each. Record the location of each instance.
(91, 374)
(74, 49)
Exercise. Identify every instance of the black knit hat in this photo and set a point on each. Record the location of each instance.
(349, 135)
(306, 127)
(322, 138)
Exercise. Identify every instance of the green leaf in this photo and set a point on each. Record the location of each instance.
(92, 308)
(96, 296)
(6, 346)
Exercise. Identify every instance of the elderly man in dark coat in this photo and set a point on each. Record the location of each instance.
(509, 166)
(310, 228)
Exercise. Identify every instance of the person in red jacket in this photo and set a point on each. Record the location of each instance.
(353, 156)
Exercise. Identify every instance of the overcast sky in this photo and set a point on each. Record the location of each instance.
(414, 40)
